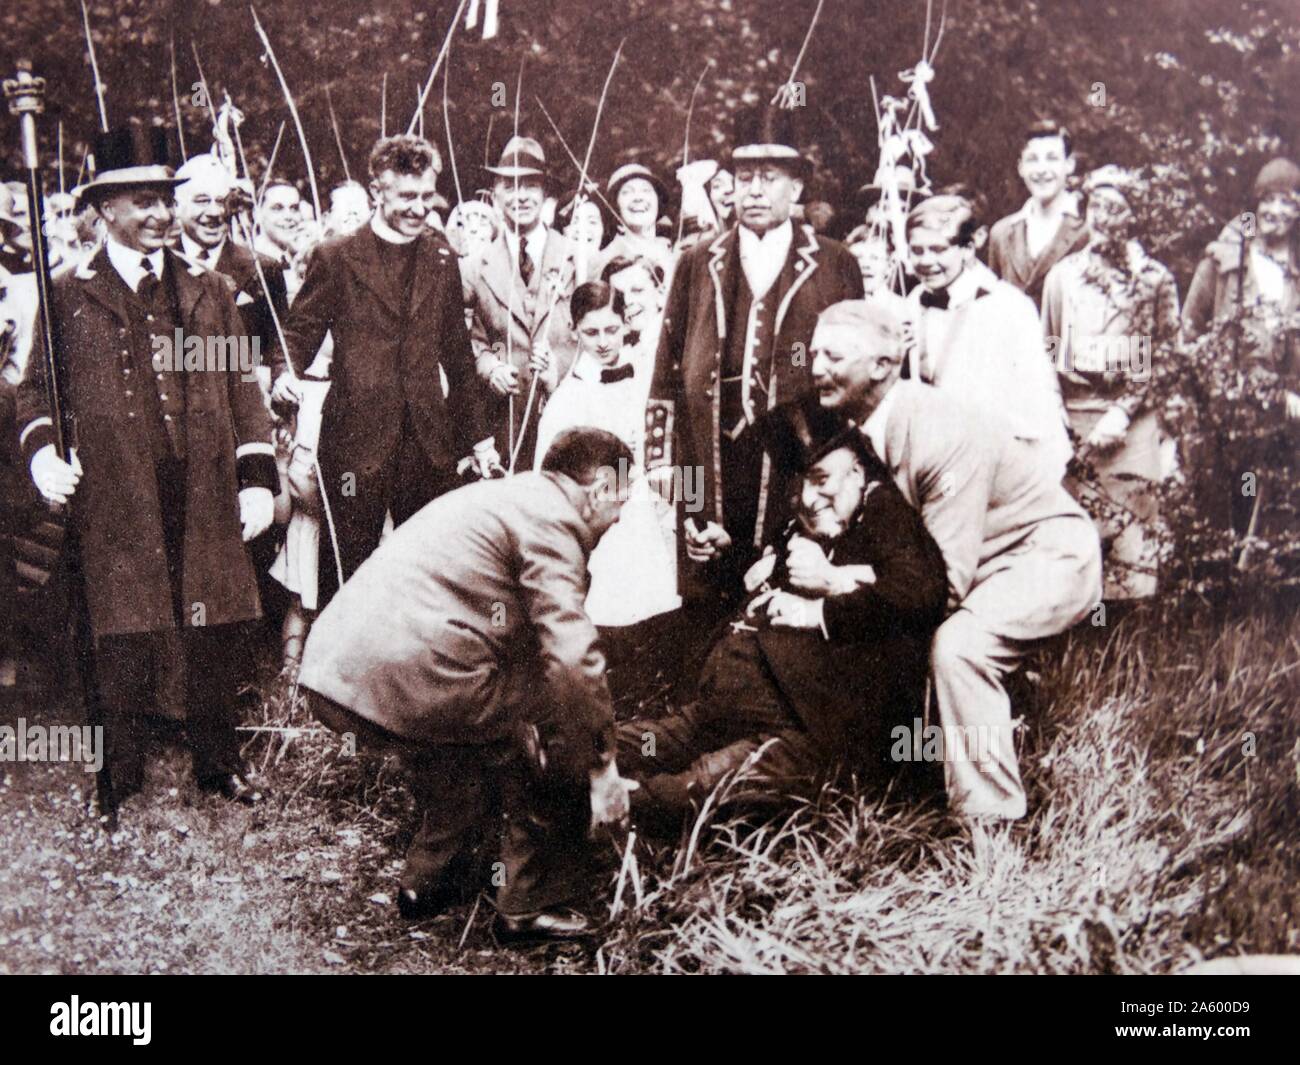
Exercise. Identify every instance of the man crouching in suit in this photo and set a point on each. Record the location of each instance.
(462, 644)
(828, 652)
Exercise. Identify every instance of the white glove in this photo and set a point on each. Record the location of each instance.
(256, 511)
(1109, 430)
(55, 479)
(486, 460)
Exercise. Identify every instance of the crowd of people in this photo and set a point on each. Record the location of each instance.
(483, 440)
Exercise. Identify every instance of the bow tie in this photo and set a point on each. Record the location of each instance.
(937, 299)
(616, 373)
(632, 337)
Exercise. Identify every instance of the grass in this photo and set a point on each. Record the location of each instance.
(1161, 756)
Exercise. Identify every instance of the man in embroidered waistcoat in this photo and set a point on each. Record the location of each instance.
(737, 325)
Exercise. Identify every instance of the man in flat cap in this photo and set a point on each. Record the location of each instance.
(739, 317)
(1023, 559)
(519, 288)
(171, 475)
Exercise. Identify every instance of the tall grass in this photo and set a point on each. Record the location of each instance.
(1162, 772)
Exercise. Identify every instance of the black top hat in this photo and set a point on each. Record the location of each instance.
(799, 433)
(767, 133)
(128, 157)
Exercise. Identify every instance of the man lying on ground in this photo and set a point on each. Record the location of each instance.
(827, 653)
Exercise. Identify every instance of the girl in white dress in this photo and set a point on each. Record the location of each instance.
(633, 570)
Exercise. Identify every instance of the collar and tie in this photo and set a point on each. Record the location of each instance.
(149, 280)
(609, 374)
(525, 262)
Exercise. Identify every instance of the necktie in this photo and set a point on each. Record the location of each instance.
(148, 281)
(937, 299)
(525, 263)
(616, 373)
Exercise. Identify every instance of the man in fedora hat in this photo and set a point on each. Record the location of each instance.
(171, 475)
(738, 320)
(519, 288)
(829, 652)
(390, 295)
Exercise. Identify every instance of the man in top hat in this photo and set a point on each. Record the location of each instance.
(829, 653)
(739, 316)
(171, 475)
(519, 288)
(202, 207)
(1024, 246)
(390, 294)
(1023, 559)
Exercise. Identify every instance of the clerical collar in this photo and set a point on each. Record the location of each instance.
(384, 231)
(128, 262)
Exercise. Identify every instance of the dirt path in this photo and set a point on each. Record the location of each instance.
(194, 884)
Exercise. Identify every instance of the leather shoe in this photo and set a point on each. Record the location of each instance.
(546, 926)
(235, 787)
(413, 904)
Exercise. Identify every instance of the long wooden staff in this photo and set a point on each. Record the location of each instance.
(334, 122)
(94, 68)
(442, 52)
(62, 186)
(284, 347)
(176, 102)
(383, 105)
(785, 94)
(293, 109)
(686, 142)
(270, 163)
(555, 295)
(451, 146)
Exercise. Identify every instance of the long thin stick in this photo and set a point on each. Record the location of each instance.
(383, 106)
(419, 116)
(442, 52)
(62, 187)
(94, 68)
(511, 445)
(573, 158)
(176, 102)
(338, 139)
(293, 109)
(270, 163)
(203, 82)
(686, 140)
(446, 125)
(81, 169)
(807, 37)
(582, 181)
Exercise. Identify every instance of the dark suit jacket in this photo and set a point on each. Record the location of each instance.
(867, 670)
(237, 263)
(115, 512)
(386, 356)
(1009, 256)
(468, 614)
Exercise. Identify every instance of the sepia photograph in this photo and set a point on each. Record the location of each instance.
(658, 487)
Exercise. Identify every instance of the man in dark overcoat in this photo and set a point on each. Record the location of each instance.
(391, 295)
(171, 474)
(739, 317)
(828, 654)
